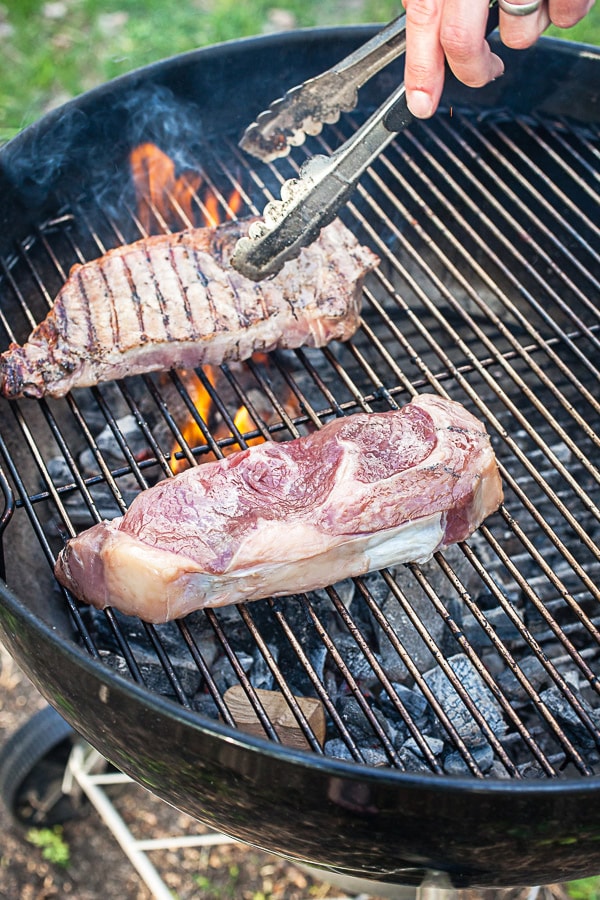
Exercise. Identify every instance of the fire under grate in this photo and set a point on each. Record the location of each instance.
(484, 661)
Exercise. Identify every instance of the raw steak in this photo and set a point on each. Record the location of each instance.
(364, 492)
(174, 301)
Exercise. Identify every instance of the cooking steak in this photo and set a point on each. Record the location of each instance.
(173, 300)
(362, 493)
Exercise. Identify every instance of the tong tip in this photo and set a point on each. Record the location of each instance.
(264, 145)
(245, 261)
(288, 224)
(302, 111)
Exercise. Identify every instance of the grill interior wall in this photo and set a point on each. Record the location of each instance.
(487, 292)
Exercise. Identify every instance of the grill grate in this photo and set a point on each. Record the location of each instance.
(484, 661)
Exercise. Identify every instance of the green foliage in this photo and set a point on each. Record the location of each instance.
(224, 890)
(52, 843)
(51, 50)
(587, 31)
(584, 889)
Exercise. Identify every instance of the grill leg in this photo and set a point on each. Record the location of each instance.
(437, 886)
(80, 771)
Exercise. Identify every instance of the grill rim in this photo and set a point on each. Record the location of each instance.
(510, 815)
(32, 210)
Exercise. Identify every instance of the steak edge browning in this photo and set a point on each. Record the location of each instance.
(365, 492)
(174, 301)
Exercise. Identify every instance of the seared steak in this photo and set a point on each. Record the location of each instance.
(364, 492)
(174, 301)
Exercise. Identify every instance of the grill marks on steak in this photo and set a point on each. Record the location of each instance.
(174, 301)
(364, 492)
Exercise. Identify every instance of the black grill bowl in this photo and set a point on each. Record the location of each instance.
(377, 823)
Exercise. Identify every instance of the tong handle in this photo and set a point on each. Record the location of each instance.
(310, 202)
(375, 54)
(304, 109)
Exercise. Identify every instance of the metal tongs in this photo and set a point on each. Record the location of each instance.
(312, 200)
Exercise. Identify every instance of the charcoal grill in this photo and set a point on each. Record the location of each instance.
(462, 698)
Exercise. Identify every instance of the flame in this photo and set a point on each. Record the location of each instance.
(191, 433)
(160, 192)
(211, 207)
(211, 210)
(243, 422)
(166, 198)
(200, 397)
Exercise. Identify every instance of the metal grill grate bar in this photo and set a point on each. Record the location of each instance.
(484, 294)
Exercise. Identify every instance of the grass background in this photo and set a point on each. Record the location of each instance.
(52, 50)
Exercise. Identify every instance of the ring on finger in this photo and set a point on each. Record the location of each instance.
(519, 9)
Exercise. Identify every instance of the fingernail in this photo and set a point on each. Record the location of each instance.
(420, 104)
(497, 68)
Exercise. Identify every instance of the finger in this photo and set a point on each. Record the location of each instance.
(566, 13)
(519, 30)
(424, 59)
(462, 35)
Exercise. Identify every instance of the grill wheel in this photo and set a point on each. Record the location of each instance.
(32, 767)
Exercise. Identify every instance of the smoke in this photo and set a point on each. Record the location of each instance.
(81, 149)
(154, 114)
(35, 161)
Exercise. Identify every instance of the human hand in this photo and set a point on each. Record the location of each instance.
(454, 31)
